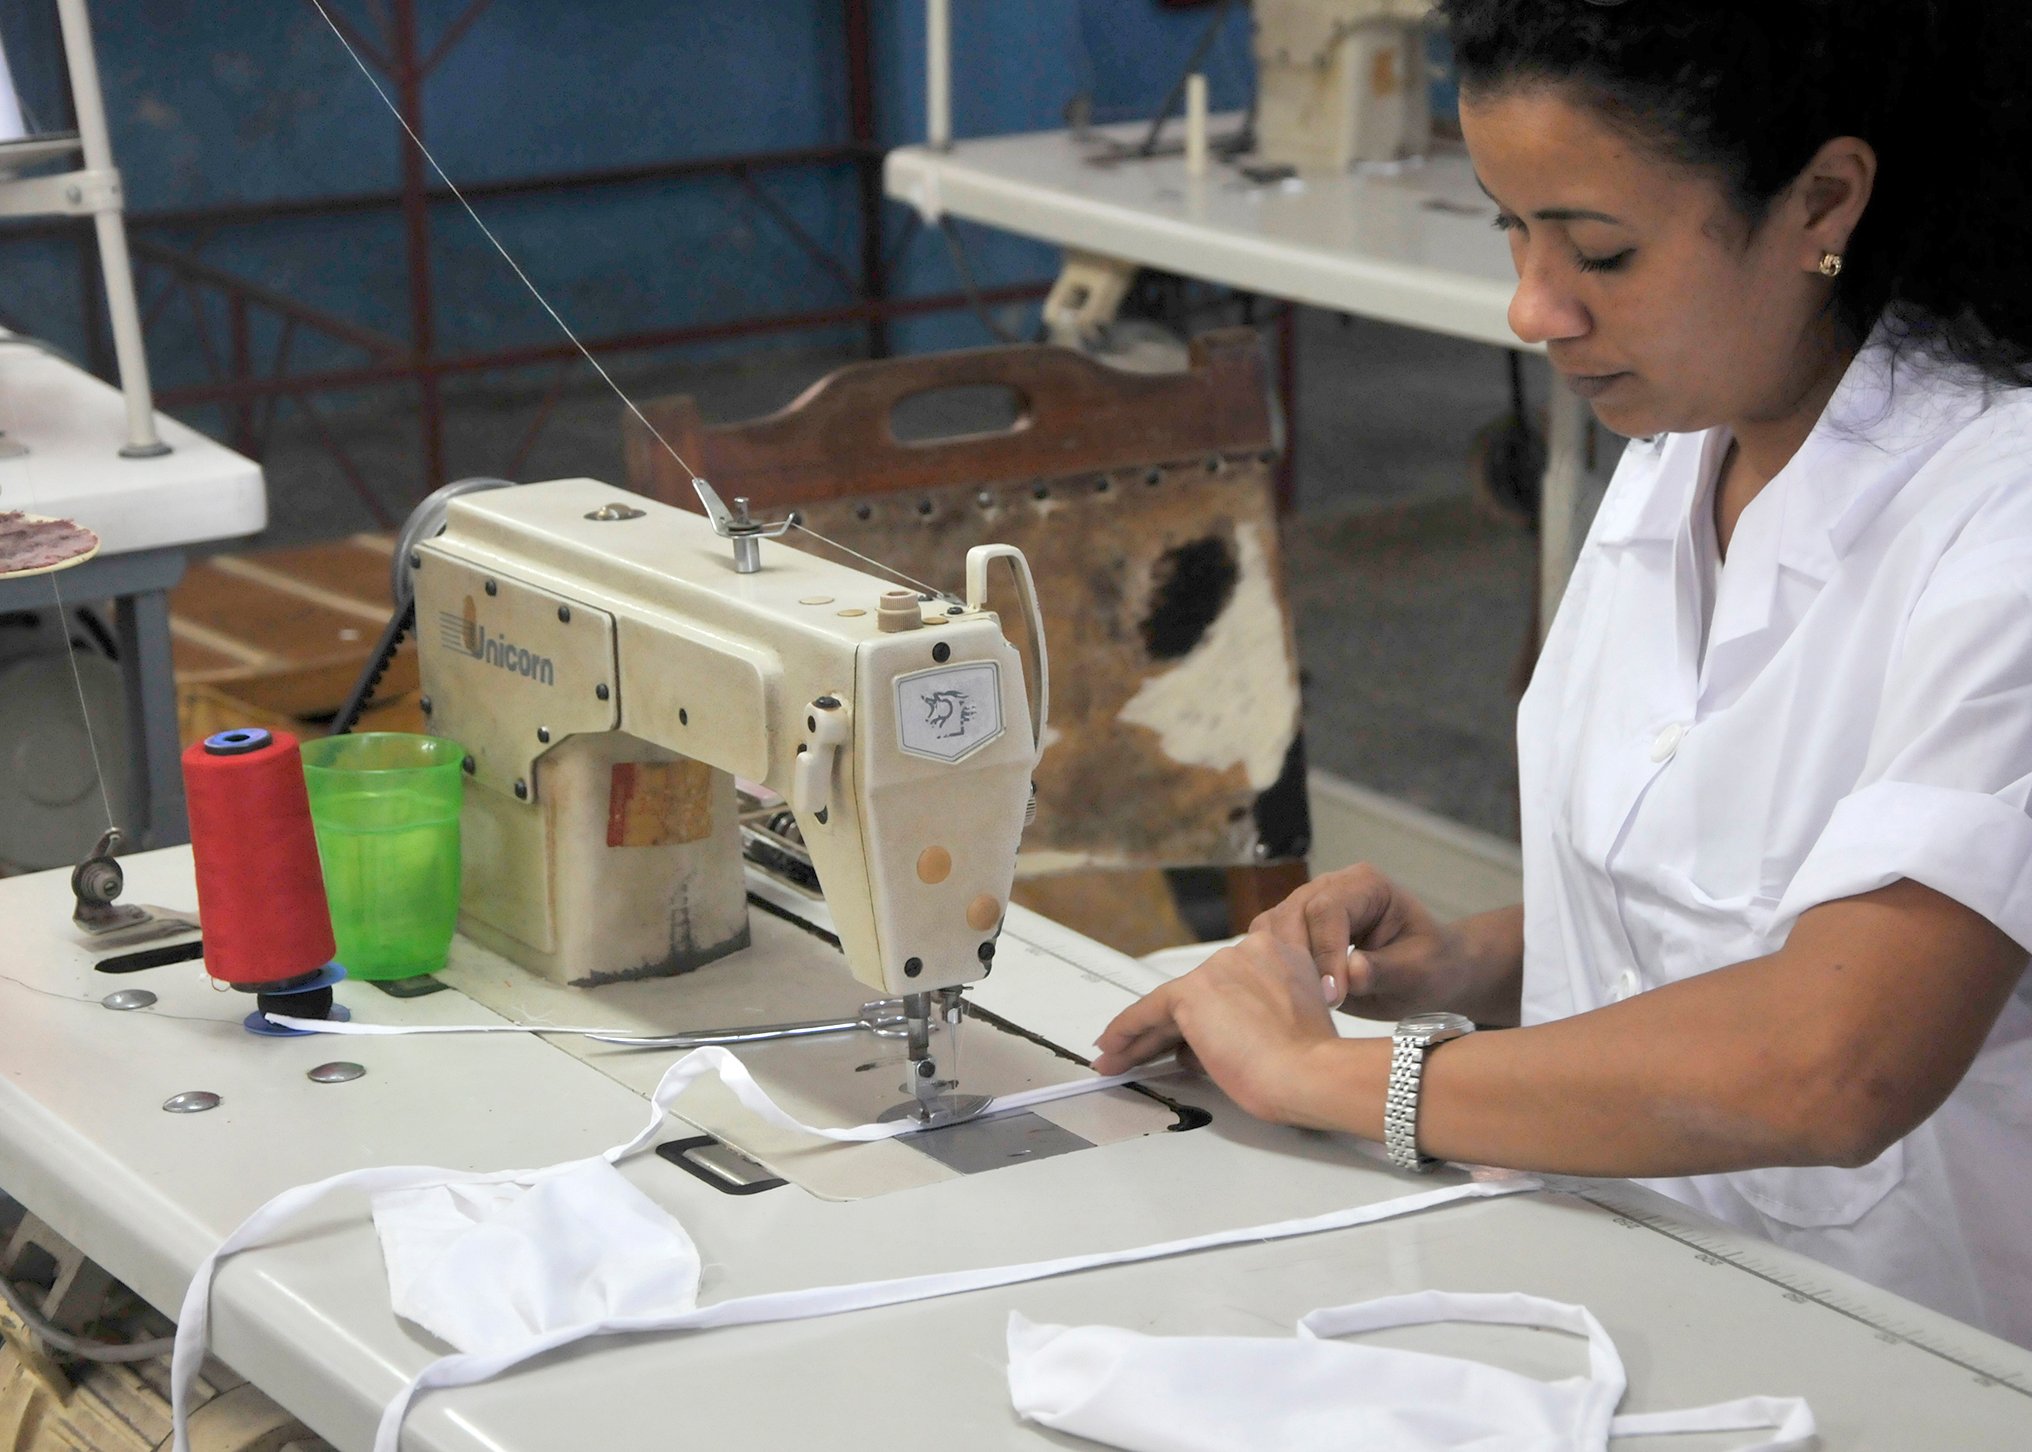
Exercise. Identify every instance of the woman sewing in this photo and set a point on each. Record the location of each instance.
(1775, 759)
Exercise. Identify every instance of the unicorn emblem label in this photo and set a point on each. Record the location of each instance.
(949, 713)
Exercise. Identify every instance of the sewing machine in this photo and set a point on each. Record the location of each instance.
(1341, 83)
(612, 665)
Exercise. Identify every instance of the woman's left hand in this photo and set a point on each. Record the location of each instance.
(1253, 1015)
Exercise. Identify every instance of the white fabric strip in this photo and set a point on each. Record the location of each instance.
(1790, 1416)
(464, 1370)
(458, 1370)
(1606, 1380)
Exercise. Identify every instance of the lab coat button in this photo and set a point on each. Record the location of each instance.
(1667, 742)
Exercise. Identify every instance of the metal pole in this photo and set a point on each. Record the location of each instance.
(868, 165)
(1287, 393)
(124, 310)
(416, 220)
(938, 74)
(1560, 526)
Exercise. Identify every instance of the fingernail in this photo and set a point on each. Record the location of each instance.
(1330, 989)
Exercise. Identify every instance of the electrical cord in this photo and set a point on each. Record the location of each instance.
(399, 625)
(75, 1346)
(965, 269)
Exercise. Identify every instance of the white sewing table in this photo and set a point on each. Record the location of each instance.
(60, 435)
(1414, 248)
(1699, 1313)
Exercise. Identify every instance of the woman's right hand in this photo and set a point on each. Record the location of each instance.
(1379, 952)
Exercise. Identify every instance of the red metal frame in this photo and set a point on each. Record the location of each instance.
(390, 40)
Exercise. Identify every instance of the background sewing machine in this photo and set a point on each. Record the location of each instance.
(612, 664)
(1341, 83)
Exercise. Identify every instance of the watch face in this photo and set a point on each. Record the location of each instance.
(1428, 1023)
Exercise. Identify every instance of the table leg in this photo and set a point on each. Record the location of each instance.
(156, 788)
(1562, 499)
(1287, 395)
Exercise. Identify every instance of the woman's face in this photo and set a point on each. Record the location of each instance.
(1653, 296)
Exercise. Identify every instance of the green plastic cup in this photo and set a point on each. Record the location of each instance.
(385, 806)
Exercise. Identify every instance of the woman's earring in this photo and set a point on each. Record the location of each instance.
(1830, 264)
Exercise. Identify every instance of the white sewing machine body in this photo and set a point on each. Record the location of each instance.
(610, 672)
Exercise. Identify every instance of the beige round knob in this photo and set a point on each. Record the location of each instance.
(934, 865)
(983, 913)
(898, 611)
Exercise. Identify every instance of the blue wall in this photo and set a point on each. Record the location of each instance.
(255, 102)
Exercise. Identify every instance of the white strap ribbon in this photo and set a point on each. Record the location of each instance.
(1790, 1416)
(1317, 1392)
(462, 1369)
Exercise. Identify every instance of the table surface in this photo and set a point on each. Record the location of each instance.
(84, 1144)
(73, 426)
(1415, 247)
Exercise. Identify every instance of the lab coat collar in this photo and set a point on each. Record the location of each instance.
(1664, 472)
(1872, 437)
(1879, 429)
(1885, 421)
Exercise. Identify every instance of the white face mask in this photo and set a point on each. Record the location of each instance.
(489, 1267)
(1314, 1394)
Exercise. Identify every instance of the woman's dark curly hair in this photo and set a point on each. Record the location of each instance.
(1749, 90)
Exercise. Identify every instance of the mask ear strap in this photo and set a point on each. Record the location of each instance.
(1791, 1416)
(193, 1320)
(1606, 1378)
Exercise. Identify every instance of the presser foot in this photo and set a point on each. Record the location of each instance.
(931, 1020)
(936, 1110)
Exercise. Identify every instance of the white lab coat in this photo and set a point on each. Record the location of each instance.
(1862, 713)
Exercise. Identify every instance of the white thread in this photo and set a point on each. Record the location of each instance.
(917, 585)
(556, 317)
(71, 650)
(84, 711)
(487, 232)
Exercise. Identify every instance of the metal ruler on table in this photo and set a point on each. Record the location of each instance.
(1969, 1350)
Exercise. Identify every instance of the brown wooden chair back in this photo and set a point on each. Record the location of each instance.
(1146, 506)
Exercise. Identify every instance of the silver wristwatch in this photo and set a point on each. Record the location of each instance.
(1415, 1037)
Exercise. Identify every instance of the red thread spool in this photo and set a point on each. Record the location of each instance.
(261, 893)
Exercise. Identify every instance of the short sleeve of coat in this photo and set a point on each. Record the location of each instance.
(1943, 799)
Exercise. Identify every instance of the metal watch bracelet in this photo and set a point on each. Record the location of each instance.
(1414, 1039)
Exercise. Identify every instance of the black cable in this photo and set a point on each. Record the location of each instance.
(66, 1344)
(965, 269)
(399, 625)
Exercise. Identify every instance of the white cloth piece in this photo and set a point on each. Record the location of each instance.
(479, 1266)
(1862, 713)
(1312, 1393)
(511, 1264)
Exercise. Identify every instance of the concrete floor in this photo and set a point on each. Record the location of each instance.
(1412, 596)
